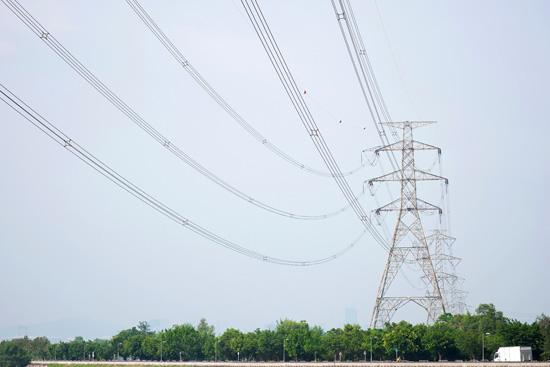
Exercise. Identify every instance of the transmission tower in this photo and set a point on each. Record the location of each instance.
(408, 239)
(445, 269)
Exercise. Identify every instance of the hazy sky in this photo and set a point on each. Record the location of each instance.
(72, 244)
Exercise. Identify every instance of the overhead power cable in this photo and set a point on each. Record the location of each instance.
(62, 52)
(267, 39)
(173, 50)
(59, 137)
(364, 73)
(367, 78)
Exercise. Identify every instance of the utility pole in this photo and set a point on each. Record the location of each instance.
(408, 237)
(483, 346)
(375, 337)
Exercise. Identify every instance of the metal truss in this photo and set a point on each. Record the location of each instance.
(445, 269)
(409, 208)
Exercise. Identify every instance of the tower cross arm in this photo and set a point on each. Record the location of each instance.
(416, 145)
(397, 205)
(425, 206)
(394, 176)
(391, 207)
(397, 146)
(411, 124)
(397, 176)
(425, 176)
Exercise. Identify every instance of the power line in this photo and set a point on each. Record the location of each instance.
(366, 78)
(174, 51)
(365, 75)
(267, 39)
(73, 62)
(59, 137)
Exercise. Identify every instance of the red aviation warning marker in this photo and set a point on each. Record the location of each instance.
(304, 91)
(339, 121)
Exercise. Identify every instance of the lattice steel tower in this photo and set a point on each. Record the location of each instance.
(408, 238)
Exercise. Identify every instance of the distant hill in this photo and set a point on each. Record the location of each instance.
(65, 329)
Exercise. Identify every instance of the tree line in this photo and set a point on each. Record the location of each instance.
(452, 337)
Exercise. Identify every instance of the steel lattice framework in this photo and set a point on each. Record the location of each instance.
(445, 270)
(409, 208)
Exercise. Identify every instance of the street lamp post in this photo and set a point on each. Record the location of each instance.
(371, 347)
(284, 348)
(483, 346)
(117, 355)
(216, 348)
(55, 352)
(84, 351)
(180, 356)
(238, 356)
(365, 354)
(161, 343)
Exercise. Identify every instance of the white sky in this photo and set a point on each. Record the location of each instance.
(72, 244)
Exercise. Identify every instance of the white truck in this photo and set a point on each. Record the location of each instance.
(513, 354)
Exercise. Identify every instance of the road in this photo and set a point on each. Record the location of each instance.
(298, 364)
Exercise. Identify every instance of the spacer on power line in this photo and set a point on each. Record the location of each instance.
(44, 35)
(314, 132)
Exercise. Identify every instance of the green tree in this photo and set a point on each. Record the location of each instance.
(40, 348)
(104, 349)
(403, 337)
(230, 344)
(377, 344)
(543, 322)
(150, 348)
(12, 355)
(333, 343)
(354, 339)
(182, 338)
(144, 327)
(297, 335)
(468, 339)
(250, 346)
(130, 341)
(207, 339)
(314, 343)
(268, 345)
(439, 341)
(489, 318)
